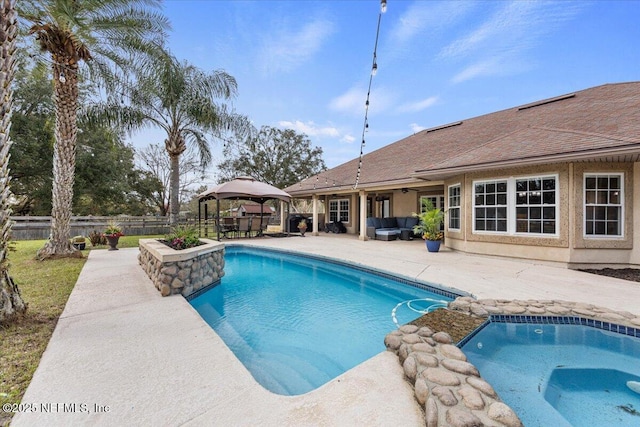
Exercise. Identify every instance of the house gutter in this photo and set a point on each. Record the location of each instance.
(556, 158)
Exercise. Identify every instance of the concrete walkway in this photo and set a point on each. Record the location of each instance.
(123, 355)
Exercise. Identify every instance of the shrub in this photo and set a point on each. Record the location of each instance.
(96, 238)
(182, 237)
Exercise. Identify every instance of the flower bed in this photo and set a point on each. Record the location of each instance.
(182, 271)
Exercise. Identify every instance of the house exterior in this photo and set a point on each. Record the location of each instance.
(554, 180)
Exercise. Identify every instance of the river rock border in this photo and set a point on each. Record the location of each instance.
(182, 272)
(448, 387)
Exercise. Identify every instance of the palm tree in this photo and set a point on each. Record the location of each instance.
(180, 99)
(103, 34)
(11, 303)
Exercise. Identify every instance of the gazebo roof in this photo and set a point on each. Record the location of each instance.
(245, 188)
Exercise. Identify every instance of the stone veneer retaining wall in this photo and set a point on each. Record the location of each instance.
(450, 389)
(182, 272)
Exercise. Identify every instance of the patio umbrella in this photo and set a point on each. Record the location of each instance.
(246, 188)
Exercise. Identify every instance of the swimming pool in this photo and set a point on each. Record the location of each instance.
(297, 322)
(560, 374)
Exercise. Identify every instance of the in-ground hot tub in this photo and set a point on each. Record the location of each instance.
(562, 374)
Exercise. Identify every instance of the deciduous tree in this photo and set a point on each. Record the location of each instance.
(154, 160)
(280, 157)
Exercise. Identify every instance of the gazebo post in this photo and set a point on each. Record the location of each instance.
(200, 217)
(261, 215)
(218, 218)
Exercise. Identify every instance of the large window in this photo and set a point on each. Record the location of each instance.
(490, 206)
(522, 205)
(603, 205)
(536, 205)
(454, 207)
(339, 210)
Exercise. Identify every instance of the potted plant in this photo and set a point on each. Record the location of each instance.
(112, 234)
(79, 242)
(429, 223)
(302, 226)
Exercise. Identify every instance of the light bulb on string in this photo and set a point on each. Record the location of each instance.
(383, 6)
(374, 69)
(62, 78)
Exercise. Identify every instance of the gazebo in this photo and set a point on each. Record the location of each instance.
(244, 188)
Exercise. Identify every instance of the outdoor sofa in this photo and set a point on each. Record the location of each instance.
(391, 228)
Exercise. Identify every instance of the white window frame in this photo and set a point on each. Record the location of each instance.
(511, 206)
(473, 203)
(339, 211)
(457, 207)
(621, 205)
(542, 206)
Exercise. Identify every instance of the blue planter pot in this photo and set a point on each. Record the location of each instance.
(433, 245)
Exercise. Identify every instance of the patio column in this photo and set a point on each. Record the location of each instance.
(363, 216)
(315, 224)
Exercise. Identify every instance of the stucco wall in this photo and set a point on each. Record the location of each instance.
(569, 246)
(634, 255)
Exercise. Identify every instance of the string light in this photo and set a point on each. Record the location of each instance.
(62, 78)
(374, 71)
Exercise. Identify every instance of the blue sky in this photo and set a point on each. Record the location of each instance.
(305, 65)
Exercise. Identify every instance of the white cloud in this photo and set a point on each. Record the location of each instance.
(348, 139)
(499, 45)
(353, 101)
(427, 17)
(416, 127)
(310, 128)
(414, 107)
(284, 49)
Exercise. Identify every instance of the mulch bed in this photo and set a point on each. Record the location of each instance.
(455, 323)
(631, 274)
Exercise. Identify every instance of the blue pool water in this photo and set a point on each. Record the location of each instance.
(297, 322)
(560, 375)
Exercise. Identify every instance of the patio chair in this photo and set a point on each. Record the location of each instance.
(221, 229)
(256, 226)
(244, 226)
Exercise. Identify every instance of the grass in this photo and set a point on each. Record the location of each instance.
(45, 286)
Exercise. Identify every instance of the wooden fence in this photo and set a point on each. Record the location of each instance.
(39, 227)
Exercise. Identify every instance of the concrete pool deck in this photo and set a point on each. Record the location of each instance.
(123, 355)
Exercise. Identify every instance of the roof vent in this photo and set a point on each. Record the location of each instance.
(444, 127)
(546, 101)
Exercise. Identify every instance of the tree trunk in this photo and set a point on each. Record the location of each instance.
(174, 190)
(175, 146)
(65, 79)
(11, 303)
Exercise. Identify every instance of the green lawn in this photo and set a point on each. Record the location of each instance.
(45, 287)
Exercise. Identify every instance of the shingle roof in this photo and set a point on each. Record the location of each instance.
(603, 120)
(255, 209)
